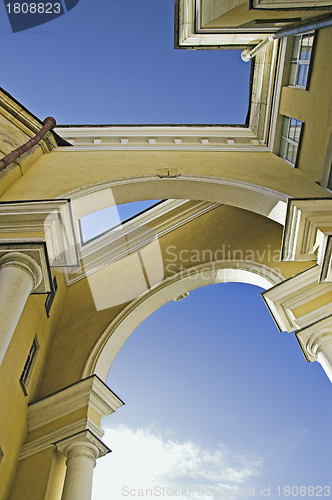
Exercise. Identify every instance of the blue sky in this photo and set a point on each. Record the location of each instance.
(113, 61)
(215, 396)
(212, 380)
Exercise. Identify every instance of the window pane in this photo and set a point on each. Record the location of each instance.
(284, 131)
(306, 46)
(291, 153)
(282, 152)
(292, 73)
(301, 73)
(303, 52)
(297, 131)
(292, 129)
(296, 47)
(305, 76)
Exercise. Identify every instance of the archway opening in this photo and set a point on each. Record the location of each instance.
(216, 400)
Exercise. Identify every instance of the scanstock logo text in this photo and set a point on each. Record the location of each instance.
(26, 14)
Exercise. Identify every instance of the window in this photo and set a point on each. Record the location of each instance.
(50, 297)
(27, 370)
(290, 138)
(300, 61)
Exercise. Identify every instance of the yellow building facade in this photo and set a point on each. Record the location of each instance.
(246, 203)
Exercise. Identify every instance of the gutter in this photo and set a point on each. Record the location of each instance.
(294, 29)
(49, 124)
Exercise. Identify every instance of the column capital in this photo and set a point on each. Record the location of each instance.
(31, 257)
(25, 263)
(315, 337)
(82, 444)
(81, 448)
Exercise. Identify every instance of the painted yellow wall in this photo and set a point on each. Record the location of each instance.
(36, 474)
(242, 14)
(59, 172)
(13, 402)
(313, 107)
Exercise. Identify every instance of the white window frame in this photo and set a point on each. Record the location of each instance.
(290, 141)
(298, 62)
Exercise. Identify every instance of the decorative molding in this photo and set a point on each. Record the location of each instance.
(271, 133)
(82, 440)
(191, 34)
(90, 392)
(52, 218)
(293, 293)
(24, 262)
(31, 256)
(135, 235)
(159, 138)
(181, 297)
(326, 273)
(44, 442)
(252, 197)
(289, 4)
(316, 334)
(307, 233)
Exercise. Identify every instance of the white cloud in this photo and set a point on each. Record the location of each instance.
(146, 463)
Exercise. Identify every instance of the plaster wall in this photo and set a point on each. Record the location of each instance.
(313, 107)
(240, 14)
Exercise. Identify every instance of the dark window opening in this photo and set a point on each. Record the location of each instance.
(50, 297)
(27, 370)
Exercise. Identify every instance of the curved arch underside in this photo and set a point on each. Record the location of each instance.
(250, 217)
(263, 201)
(115, 335)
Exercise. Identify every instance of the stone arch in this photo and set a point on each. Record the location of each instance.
(255, 198)
(119, 330)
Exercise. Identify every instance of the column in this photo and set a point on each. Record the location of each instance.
(81, 451)
(320, 346)
(19, 276)
(81, 460)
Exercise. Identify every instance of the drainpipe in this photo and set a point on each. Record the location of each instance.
(294, 29)
(49, 124)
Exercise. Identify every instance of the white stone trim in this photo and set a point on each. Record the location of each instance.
(30, 256)
(326, 261)
(24, 262)
(279, 80)
(68, 445)
(304, 218)
(293, 293)
(140, 231)
(52, 218)
(160, 138)
(188, 37)
(44, 442)
(90, 392)
(252, 197)
(308, 337)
